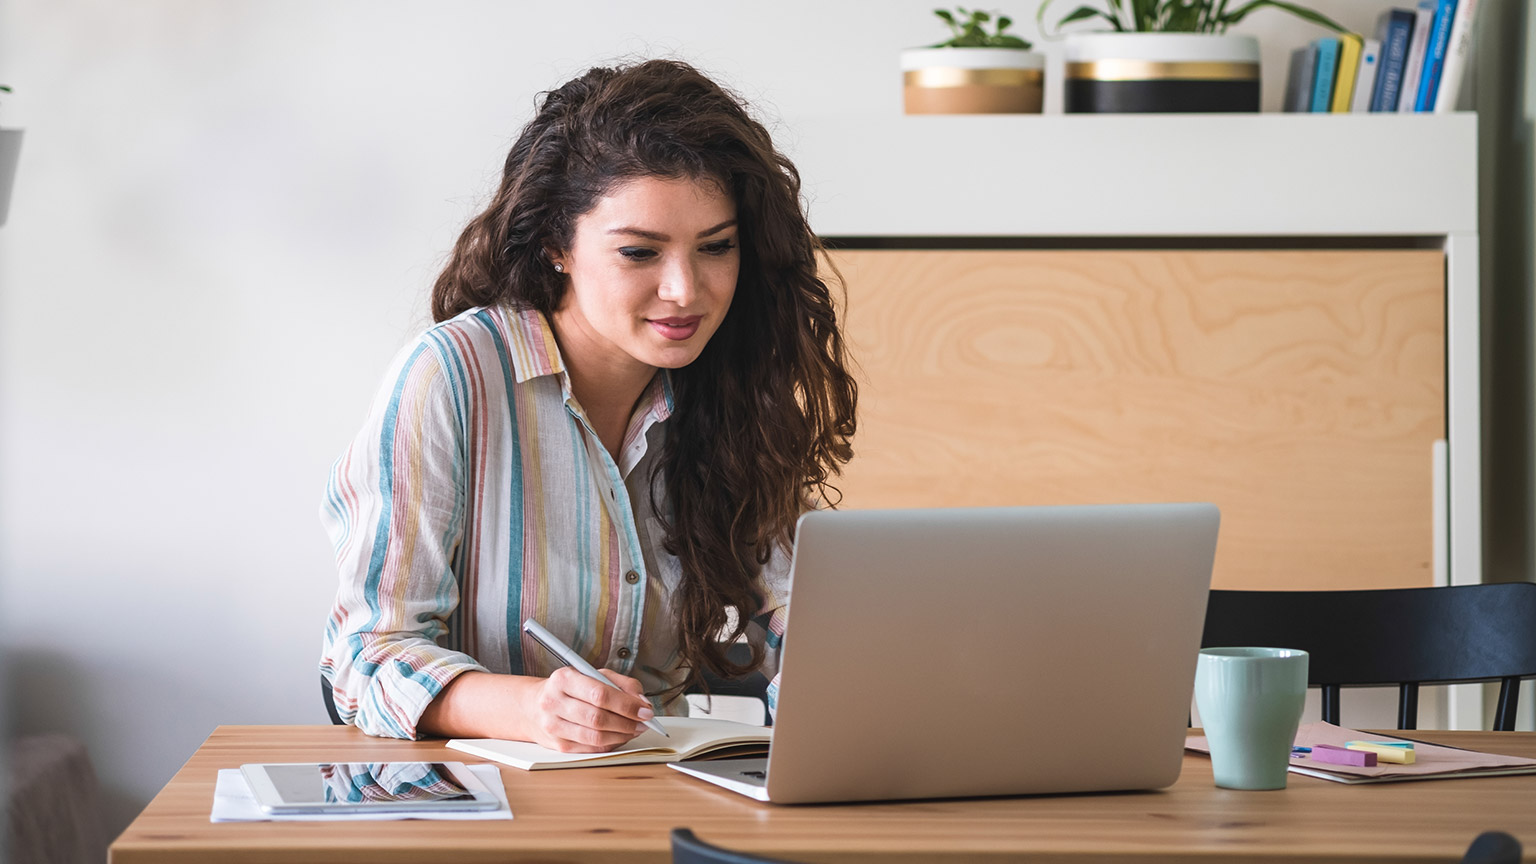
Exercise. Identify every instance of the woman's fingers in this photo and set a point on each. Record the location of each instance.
(583, 715)
(569, 737)
(629, 702)
(632, 687)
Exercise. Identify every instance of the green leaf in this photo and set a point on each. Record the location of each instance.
(1181, 18)
(1302, 12)
(1083, 13)
(944, 13)
(1004, 41)
(1002, 24)
(1119, 13)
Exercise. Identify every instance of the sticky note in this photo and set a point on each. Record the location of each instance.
(1396, 755)
(1342, 756)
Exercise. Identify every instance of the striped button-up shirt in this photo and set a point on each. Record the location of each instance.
(477, 495)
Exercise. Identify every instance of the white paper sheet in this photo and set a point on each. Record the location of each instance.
(233, 802)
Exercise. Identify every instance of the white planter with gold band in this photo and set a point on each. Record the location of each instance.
(972, 80)
(1160, 72)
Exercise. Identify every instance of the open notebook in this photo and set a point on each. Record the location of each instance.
(691, 738)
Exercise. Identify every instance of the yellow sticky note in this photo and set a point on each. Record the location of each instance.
(1386, 753)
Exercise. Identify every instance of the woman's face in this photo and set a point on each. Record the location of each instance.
(651, 272)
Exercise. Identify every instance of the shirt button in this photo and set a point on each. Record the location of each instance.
(624, 653)
(631, 577)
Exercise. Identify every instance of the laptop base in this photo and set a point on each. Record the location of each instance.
(749, 777)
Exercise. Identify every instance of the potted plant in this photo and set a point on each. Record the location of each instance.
(10, 150)
(1166, 55)
(974, 71)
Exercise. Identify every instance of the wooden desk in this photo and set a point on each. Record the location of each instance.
(625, 814)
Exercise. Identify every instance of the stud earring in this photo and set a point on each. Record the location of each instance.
(559, 268)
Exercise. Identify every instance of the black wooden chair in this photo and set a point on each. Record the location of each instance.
(330, 702)
(688, 849)
(1404, 637)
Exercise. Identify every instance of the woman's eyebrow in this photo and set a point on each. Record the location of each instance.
(649, 235)
(662, 238)
(717, 229)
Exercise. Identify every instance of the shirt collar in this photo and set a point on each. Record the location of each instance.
(533, 348)
(535, 353)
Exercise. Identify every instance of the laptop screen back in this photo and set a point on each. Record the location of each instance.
(990, 651)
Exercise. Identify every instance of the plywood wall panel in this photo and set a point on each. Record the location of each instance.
(1298, 390)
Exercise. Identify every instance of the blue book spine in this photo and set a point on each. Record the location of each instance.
(1434, 56)
(1394, 29)
(1327, 64)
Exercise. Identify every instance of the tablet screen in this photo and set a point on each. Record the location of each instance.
(366, 782)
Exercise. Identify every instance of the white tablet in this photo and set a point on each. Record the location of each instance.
(366, 787)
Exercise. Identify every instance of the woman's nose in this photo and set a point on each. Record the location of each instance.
(678, 282)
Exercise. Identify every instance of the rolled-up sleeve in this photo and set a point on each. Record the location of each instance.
(394, 510)
(767, 627)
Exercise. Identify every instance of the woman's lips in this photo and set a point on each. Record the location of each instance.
(676, 329)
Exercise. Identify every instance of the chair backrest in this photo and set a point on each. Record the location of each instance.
(1403, 636)
(688, 849)
(330, 702)
(1493, 847)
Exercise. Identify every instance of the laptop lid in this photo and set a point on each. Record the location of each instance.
(990, 651)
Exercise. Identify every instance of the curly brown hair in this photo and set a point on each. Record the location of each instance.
(765, 415)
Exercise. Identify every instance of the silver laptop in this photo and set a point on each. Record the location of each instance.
(991, 651)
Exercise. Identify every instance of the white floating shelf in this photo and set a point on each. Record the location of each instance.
(1143, 175)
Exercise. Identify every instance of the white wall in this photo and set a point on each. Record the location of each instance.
(226, 220)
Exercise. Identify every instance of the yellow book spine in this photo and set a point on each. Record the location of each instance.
(1349, 68)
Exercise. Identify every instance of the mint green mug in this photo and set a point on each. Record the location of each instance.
(1250, 703)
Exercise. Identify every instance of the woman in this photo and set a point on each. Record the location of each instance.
(635, 387)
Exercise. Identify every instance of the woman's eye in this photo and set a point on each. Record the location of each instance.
(719, 247)
(637, 253)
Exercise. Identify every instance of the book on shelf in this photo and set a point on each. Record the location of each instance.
(1365, 78)
(1322, 81)
(1457, 51)
(690, 738)
(1394, 29)
(1298, 78)
(1344, 78)
(1434, 55)
(1413, 68)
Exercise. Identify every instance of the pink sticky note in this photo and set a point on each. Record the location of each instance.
(1341, 756)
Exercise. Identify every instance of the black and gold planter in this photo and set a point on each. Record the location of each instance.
(972, 81)
(1160, 72)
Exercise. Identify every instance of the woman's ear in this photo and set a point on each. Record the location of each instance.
(556, 260)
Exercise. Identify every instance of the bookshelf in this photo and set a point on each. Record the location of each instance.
(1366, 223)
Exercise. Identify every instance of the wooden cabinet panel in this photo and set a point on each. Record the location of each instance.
(1300, 391)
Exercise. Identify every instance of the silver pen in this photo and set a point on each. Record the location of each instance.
(570, 658)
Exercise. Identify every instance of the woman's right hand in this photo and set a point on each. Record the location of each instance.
(575, 714)
(567, 711)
